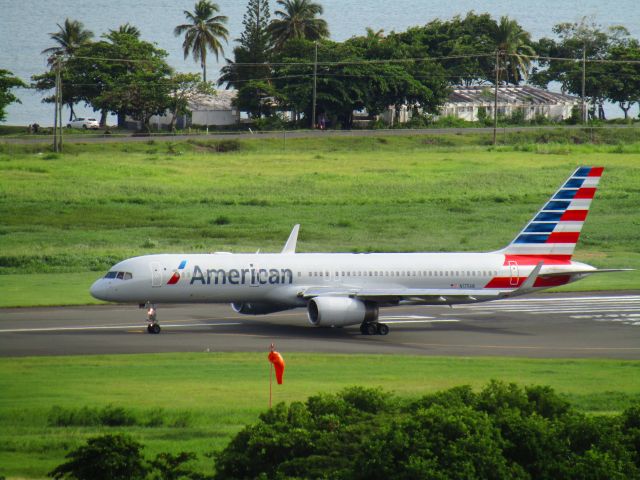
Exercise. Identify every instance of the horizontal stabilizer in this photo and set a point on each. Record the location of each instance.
(586, 272)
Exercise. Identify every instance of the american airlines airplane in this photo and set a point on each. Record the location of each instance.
(340, 289)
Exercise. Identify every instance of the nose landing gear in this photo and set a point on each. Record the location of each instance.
(152, 324)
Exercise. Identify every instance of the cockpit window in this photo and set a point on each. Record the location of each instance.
(119, 275)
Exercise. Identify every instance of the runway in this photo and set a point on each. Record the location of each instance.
(539, 326)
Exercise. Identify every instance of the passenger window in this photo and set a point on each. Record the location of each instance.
(128, 276)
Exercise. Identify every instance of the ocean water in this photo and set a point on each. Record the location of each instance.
(25, 26)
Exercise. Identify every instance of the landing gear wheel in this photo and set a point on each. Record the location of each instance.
(149, 328)
(370, 329)
(154, 328)
(382, 329)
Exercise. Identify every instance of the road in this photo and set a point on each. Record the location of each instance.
(540, 326)
(286, 135)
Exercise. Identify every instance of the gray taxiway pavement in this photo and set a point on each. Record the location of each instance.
(549, 325)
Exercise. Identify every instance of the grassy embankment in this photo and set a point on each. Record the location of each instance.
(66, 218)
(196, 402)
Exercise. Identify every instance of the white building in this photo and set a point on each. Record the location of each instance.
(205, 110)
(466, 102)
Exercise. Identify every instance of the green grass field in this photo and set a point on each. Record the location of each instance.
(196, 402)
(71, 216)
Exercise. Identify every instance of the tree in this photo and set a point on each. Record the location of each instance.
(249, 71)
(185, 88)
(465, 46)
(298, 20)
(7, 83)
(624, 85)
(203, 32)
(575, 40)
(70, 37)
(128, 29)
(120, 73)
(504, 431)
(347, 81)
(514, 44)
(108, 457)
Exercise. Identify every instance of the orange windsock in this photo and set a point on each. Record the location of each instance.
(278, 363)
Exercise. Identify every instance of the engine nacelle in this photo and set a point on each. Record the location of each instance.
(340, 311)
(250, 308)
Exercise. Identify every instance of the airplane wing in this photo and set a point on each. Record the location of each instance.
(417, 295)
(426, 296)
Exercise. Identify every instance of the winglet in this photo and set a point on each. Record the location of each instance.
(290, 246)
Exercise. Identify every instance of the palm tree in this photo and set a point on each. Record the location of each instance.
(69, 37)
(514, 44)
(128, 29)
(298, 20)
(203, 32)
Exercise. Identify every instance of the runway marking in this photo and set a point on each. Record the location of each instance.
(624, 318)
(113, 327)
(435, 320)
(553, 299)
(560, 305)
(550, 310)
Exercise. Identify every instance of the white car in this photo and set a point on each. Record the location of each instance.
(84, 123)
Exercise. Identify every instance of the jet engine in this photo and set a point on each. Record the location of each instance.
(251, 308)
(340, 311)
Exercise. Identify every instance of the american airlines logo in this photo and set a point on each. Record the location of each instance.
(241, 276)
(176, 275)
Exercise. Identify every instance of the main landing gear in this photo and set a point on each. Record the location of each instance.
(374, 328)
(152, 324)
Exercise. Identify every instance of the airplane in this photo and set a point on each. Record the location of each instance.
(342, 289)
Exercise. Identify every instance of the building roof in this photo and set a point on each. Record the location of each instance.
(222, 100)
(517, 94)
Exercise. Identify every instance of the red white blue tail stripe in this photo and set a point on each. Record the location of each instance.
(554, 231)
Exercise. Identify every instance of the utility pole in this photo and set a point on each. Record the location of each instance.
(57, 117)
(55, 111)
(59, 75)
(584, 80)
(315, 71)
(495, 98)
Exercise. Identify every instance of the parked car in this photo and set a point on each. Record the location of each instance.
(84, 123)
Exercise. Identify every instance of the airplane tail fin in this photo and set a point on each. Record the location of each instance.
(554, 231)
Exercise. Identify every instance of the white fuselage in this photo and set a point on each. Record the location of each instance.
(279, 278)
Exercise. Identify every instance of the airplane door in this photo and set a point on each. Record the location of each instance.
(156, 275)
(513, 271)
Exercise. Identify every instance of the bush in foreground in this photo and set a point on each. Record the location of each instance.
(118, 457)
(504, 431)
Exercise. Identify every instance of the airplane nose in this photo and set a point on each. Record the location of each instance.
(98, 290)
